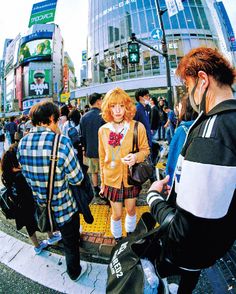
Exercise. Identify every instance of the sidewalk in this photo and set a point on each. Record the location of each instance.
(49, 268)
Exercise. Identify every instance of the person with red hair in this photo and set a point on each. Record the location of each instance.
(115, 156)
(203, 196)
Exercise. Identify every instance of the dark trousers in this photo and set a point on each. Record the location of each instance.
(12, 138)
(188, 279)
(70, 237)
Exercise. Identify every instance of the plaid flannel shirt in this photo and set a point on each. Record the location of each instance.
(34, 153)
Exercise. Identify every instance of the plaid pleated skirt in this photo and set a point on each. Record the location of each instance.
(119, 195)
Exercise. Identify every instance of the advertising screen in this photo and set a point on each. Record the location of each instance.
(40, 49)
(39, 82)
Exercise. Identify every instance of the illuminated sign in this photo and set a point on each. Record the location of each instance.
(40, 49)
(39, 82)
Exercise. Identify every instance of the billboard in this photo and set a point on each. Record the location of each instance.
(19, 86)
(27, 104)
(39, 82)
(65, 78)
(84, 56)
(11, 54)
(43, 12)
(35, 50)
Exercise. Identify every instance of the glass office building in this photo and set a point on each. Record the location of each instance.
(111, 23)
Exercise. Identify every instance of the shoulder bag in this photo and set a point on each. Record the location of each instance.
(44, 214)
(7, 202)
(140, 172)
(125, 272)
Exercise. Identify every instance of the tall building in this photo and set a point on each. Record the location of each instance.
(33, 68)
(227, 30)
(111, 23)
(40, 62)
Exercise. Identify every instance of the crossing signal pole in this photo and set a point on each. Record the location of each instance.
(165, 55)
(134, 55)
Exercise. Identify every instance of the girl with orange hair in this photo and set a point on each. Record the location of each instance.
(115, 156)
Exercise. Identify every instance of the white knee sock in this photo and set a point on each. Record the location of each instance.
(116, 228)
(130, 223)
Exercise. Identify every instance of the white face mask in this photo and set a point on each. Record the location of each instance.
(146, 102)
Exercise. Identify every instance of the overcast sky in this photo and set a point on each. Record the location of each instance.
(71, 16)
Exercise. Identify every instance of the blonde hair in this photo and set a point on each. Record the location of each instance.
(117, 96)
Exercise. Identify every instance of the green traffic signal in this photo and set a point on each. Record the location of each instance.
(133, 50)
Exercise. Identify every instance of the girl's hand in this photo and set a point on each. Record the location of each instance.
(129, 159)
(101, 191)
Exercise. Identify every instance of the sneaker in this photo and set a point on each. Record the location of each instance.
(41, 246)
(55, 238)
(84, 268)
(173, 288)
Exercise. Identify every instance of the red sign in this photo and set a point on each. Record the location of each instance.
(19, 86)
(65, 78)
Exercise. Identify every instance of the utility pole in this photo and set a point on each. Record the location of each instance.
(165, 55)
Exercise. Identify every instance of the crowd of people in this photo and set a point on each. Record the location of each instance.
(199, 188)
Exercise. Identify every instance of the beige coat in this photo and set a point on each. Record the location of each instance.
(113, 177)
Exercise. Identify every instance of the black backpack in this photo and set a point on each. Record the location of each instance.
(73, 134)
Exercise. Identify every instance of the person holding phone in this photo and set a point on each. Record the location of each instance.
(115, 147)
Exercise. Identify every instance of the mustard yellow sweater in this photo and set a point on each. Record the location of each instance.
(113, 177)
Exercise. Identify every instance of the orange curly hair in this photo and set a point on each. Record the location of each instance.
(209, 60)
(117, 96)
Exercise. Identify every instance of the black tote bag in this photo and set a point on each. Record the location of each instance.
(125, 273)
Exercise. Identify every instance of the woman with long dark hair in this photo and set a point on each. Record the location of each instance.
(186, 117)
(13, 178)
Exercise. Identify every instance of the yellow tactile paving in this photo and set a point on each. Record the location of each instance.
(160, 165)
(102, 215)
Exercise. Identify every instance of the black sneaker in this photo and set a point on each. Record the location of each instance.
(84, 268)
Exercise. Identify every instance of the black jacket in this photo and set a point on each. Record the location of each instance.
(89, 125)
(205, 203)
(154, 118)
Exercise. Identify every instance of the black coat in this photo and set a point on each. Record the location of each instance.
(154, 118)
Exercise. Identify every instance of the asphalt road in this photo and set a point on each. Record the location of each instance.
(13, 283)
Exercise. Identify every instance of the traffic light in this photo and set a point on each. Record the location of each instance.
(133, 50)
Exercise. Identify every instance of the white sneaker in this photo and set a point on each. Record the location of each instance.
(173, 288)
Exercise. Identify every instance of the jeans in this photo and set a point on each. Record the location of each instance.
(162, 131)
(169, 133)
(70, 237)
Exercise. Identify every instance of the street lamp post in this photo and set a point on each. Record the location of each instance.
(165, 55)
